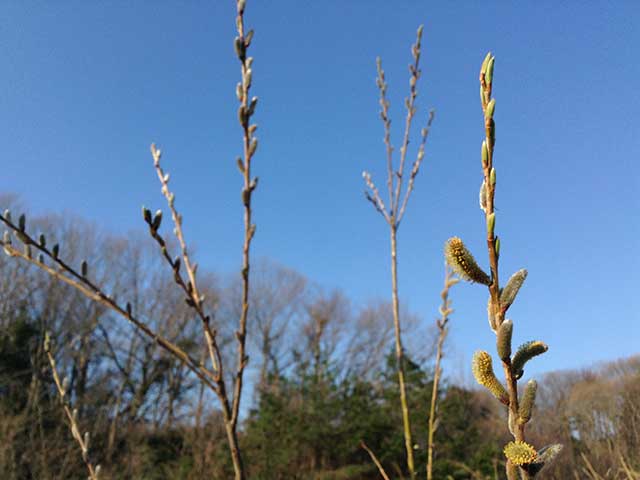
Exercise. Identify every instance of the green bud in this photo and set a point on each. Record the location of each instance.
(525, 353)
(509, 292)
(491, 106)
(491, 223)
(503, 340)
(488, 76)
(485, 154)
(485, 63)
(497, 246)
(528, 399)
(492, 177)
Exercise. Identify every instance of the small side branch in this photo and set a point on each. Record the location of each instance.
(375, 460)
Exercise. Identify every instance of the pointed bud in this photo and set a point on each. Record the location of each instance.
(492, 177)
(84, 268)
(525, 353)
(491, 106)
(484, 152)
(43, 240)
(485, 62)
(520, 453)
(463, 263)
(55, 251)
(128, 308)
(509, 292)
(253, 146)
(87, 438)
(157, 220)
(22, 223)
(247, 38)
(528, 399)
(488, 76)
(491, 223)
(41, 258)
(240, 165)
(483, 373)
(65, 386)
(546, 456)
(497, 246)
(503, 341)
(146, 214)
(7, 215)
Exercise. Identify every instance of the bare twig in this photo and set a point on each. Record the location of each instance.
(441, 323)
(393, 214)
(72, 415)
(375, 460)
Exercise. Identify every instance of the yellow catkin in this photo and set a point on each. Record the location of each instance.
(520, 453)
(463, 263)
(483, 373)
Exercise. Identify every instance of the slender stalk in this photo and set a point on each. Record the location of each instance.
(404, 404)
(441, 323)
(82, 441)
(375, 460)
(397, 204)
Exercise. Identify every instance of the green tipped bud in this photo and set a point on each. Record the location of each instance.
(463, 263)
(503, 341)
(546, 456)
(488, 75)
(483, 373)
(484, 153)
(509, 292)
(520, 453)
(491, 106)
(485, 63)
(492, 177)
(525, 353)
(497, 246)
(22, 223)
(528, 399)
(84, 268)
(491, 223)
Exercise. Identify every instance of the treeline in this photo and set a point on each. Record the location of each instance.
(322, 374)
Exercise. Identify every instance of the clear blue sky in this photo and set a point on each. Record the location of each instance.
(85, 87)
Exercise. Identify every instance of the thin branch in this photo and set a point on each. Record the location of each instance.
(82, 440)
(375, 460)
(80, 282)
(384, 116)
(411, 110)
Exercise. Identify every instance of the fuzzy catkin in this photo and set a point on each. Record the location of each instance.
(463, 263)
(483, 373)
(520, 453)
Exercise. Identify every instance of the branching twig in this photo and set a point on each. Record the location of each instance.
(72, 415)
(395, 211)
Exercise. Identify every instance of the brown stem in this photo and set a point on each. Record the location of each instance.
(375, 460)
